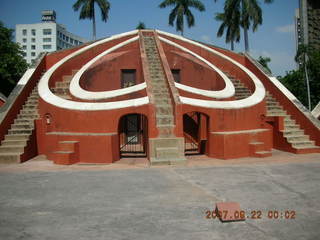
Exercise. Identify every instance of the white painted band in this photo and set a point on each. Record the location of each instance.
(252, 100)
(78, 92)
(49, 97)
(228, 90)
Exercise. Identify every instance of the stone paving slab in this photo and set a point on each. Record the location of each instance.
(131, 200)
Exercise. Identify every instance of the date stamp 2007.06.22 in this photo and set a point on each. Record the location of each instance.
(254, 214)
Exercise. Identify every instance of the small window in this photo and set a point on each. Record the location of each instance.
(24, 40)
(67, 38)
(71, 40)
(24, 47)
(63, 37)
(128, 77)
(46, 46)
(33, 54)
(47, 40)
(176, 75)
(24, 54)
(76, 42)
(33, 47)
(24, 32)
(33, 32)
(46, 31)
(33, 40)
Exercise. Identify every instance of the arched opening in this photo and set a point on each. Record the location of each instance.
(195, 132)
(133, 135)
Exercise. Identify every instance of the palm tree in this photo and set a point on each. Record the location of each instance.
(182, 9)
(87, 11)
(250, 14)
(231, 25)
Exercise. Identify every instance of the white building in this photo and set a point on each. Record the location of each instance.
(47, 36)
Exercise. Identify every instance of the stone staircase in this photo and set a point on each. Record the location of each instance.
(166, 149)
(61, 88)
(241, 91)
(14, 143)
(293, 133)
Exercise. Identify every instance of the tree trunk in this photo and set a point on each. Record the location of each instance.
(93, 22)
(232, 45)
(246, 39)
(307, 82)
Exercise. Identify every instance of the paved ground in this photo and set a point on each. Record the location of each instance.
(138, 202)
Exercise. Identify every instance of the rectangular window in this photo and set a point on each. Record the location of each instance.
(33, 32)
(46, 46)
(33, 40)
(24, 47)
(46, 31)
(33, 54)
(128, 77)
(24, 32)
(71, 40)
(47, 40)
(67, 39)
(24, 54)
(24, 40)
(76, 42)
(176, 75)
(33, 47)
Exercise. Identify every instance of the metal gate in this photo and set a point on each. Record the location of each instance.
(133, 135)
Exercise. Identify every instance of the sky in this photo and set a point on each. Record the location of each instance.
(274, 39)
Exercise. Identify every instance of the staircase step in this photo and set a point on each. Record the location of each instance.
(22, 126)
(17, 137)
(7, 158)
(306, 143)
(19, 131)
(19, 143)
(11, 149)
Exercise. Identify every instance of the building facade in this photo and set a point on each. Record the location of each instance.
(307, 21)
(152, 94)
(47, 36)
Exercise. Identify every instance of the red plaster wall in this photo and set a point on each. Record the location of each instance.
(106, 74)
(191, 72)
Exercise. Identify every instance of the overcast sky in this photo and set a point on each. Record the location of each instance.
(274, 39)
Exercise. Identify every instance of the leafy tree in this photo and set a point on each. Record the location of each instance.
(264, 62)
(295, 80)
(231, 26)
(250, 15)
(141, 26)
(182, 10)
(12, 63)
(87, 11)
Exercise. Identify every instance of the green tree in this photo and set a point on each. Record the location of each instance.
(141, 26)
(295, 80)
(12, 63)
(231, 26)
(182, 10)
(250, 15)
(264, 62)
(87, 11)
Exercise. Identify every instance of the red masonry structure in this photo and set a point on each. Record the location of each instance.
(152, 94)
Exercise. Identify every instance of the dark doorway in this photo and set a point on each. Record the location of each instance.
(195, 131)
(133, 135)
(176, 75)
(128, 77)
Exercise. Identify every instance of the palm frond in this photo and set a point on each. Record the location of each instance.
(104, 6)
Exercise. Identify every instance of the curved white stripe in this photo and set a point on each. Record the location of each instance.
(77, 91)
(49, 97)
(228, 90)
(252, 100)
